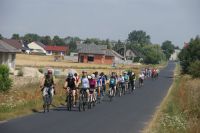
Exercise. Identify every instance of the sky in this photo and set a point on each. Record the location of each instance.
(174, 20)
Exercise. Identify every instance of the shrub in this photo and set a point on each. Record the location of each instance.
(190, 54)
(40, 70)
(194, 69)
(20, 73)
(5, 81)
(136, 59)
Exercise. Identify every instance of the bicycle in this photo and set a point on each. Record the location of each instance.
(69, 100)
(98, 96)
(83, 100)
(47, 93)
(111, 92)
(91, 99)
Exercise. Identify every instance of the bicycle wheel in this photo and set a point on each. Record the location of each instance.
(111, 94)
(80, 105)
(69, 102)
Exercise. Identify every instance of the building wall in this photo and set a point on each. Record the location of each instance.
(8, 59)
(109, 60)
(55, 53)
(98, 59)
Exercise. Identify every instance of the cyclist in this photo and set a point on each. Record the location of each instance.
(48, 89)
(121, 85)
(92, 83)
(112, 84)
(132, 79)
(77, 82)
(99, 85)
(84, 83)
(157, 72)
(126, 79)
(141, 79)
(70, 85)
(104, 80)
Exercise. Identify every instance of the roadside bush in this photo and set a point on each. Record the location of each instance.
(40, 70)
(189, 55)
(5, 81)
(136, 59)
(194, 69)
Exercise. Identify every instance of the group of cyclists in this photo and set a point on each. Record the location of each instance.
(89, 89)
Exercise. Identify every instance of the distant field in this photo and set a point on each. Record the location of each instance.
(48, 61)
(44, 61)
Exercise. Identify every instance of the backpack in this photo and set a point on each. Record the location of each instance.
(132, 77)
(112, 81)
(126, 78)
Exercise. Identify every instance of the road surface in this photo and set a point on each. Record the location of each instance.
(127, 114)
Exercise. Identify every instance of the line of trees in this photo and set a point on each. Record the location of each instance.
(138, 40)
(190, 57)
(152, 53)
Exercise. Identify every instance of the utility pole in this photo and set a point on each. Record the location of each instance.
(125, 51)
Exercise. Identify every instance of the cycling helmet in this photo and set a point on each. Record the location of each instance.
(89, 77)
(49, 71)
(92, 76)
(84, 71)
(70, 74)
(75, 74)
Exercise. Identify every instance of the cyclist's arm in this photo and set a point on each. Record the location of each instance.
(42, 82)
(65, 85)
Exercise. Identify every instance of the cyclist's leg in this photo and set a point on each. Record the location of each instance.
(45, 102)
(73, 96)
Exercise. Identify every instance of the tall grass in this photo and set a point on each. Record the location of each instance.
(26, 100)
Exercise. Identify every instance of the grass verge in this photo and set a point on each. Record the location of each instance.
(26, 100)
(180, 110)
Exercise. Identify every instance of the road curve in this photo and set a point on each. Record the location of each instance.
(127, 114)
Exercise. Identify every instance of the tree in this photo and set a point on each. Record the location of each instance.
(46, 40)
(15, 36)
(168, 48)
(118, 45)
(139, 37)
(1, 37)
(58, 41)
(92, 40)
(189, 56)
(28, 38)
(153, 54)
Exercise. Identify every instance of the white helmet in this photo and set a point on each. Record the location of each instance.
(92, 76)
(89, 77)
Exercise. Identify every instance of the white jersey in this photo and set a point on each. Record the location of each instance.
(85, 82)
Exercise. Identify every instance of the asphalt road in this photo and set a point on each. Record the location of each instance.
(127, 114)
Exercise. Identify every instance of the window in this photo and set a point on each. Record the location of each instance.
(90, 58)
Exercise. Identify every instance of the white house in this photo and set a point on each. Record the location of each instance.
(37, 47)
(8, 55)
(118, 59)
(174, 56)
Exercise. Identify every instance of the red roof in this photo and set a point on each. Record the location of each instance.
(56, 48)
